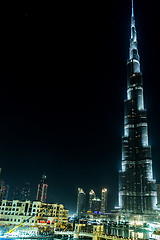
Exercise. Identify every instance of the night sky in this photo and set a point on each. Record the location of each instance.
(62, 87)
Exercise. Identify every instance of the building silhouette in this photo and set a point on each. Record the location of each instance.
(42, 190)
(22, 194)
(17, 194)
(4, 189)
(25, 193)
(81, 202)
(137, 188)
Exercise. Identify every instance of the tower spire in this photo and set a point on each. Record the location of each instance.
(132, 9)
(133, 26)
(132, 20)
(133, 50)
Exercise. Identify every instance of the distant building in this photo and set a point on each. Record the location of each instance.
(96, 205)
(81, 202)
(34, 213)
(17, 194)
(22, 194)
(4, 189)
(42, 190)
(25, 193)
(104, 200)
(92, 195)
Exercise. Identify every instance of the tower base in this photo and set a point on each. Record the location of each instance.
(139, 219)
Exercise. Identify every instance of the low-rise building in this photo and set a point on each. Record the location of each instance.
(32, 213)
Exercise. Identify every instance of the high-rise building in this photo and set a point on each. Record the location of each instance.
(42, 190)
(81, 202)
(25, 193)
(96, 205)
(92, 195)
(4, 189)
(17, 194)
(137, 188)
(104, 200)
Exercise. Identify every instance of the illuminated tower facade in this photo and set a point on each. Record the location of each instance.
(104, 200)
(137, 188)
(42, 190)
(81, 202)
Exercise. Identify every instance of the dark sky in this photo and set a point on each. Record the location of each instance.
(62, 87)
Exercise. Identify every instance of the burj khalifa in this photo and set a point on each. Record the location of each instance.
(137, 188)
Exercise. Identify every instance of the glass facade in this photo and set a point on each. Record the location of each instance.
(137, 188)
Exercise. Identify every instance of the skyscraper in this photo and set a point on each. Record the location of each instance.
(137, 188)
(92, 195)
(42, 190)
(81, 202)
(96, 205)
(104, 200)
(4, 189)
(16, 194)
